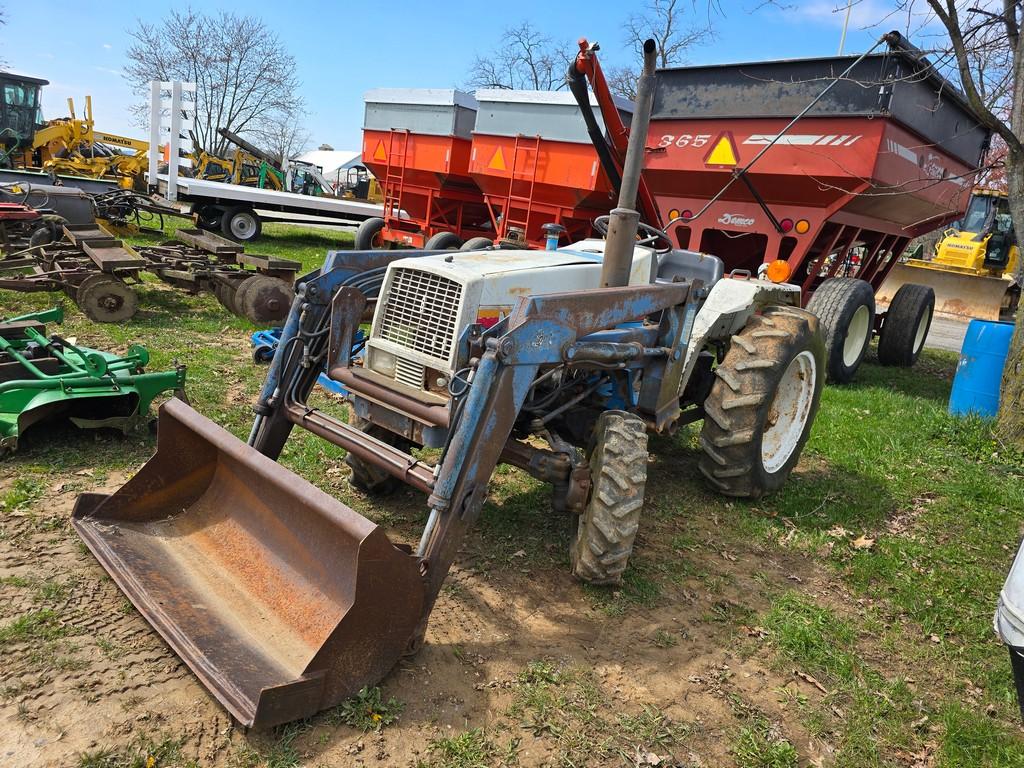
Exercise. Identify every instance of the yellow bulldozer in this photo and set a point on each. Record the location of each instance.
(975, 269)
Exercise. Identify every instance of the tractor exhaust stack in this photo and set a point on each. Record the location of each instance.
(622, 226)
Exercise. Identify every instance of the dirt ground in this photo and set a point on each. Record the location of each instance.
(108, 679)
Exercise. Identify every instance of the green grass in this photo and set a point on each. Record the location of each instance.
(470, 749)
(33, 626)
(939, 497)
(367, 710)
(142, 752)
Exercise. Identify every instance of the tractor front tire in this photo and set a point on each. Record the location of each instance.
(368, 478)
(906, 325)
(608, 525)
(762, 404)
(846, 308)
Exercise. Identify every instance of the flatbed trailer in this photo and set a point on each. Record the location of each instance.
(239, 212)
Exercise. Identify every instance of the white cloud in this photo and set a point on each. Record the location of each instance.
(108, 46)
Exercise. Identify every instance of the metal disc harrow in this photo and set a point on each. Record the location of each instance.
(98, 272)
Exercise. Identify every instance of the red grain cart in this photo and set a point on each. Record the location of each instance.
(889, 153)
(417, 143)
(536, 165)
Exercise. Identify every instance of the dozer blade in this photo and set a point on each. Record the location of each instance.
(281, 600)
(956, 294)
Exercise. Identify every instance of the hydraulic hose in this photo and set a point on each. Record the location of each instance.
(577, 82)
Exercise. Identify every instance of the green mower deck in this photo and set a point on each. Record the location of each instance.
(43, 377)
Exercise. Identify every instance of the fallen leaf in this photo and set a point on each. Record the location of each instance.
(863, 542)
(85, 472)
(520, 553)
(811, 680)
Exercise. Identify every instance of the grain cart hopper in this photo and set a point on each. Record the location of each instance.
(889, 152)
(283, 601)
(43, 377)
(975, 267)
(417, 143)
(536, 165)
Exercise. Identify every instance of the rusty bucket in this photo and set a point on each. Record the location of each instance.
(281, 600)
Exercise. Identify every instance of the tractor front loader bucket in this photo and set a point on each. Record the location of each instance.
(281, 600)
(957, 294)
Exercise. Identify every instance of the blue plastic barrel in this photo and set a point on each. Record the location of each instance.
(980, 370)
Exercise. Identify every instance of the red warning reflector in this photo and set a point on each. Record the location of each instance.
(723, 152)
(498, 161)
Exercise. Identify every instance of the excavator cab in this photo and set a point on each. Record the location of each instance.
(20, 111)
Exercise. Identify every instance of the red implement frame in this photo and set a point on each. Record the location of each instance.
(618, 134)
(426, 185)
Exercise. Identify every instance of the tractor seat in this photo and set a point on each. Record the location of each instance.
(689, 265)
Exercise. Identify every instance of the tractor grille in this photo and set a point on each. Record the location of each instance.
(420, 311)
(409, 372)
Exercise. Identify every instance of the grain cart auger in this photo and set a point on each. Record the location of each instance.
(283, 601)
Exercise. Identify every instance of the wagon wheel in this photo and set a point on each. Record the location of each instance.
(105, 299)
(262, 299)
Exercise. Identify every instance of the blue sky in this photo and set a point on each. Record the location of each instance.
(343, 49)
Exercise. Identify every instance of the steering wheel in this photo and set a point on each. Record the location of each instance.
(651, 235)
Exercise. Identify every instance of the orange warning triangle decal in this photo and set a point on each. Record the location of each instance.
(498, 161)
(723, 152)
(379, 153)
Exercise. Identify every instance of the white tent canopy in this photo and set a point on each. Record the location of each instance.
(332, 161)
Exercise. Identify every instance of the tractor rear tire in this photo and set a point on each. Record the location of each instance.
(365, 477)
(846, 308)
(906, 325)
(608, 525)
(477, 244)
(443, 241)
(762, 405)
(368, 236)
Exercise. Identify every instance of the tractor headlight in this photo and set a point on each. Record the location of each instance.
(380, 361)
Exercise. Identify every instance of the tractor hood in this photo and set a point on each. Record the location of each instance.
(427, 302)
(463, 266)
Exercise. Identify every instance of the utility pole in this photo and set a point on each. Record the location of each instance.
(846, 23)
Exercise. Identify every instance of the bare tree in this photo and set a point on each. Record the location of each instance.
(986, 50)
(244, 77)
(662, 21)
(527, 60)
(283, 137)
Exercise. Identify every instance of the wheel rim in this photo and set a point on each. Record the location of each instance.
(922, 330)
(856, 335)
(789, 412)
(243, 225)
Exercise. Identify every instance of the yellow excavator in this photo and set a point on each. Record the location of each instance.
(975, 270)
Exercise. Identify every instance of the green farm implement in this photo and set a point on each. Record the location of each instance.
(47, 376)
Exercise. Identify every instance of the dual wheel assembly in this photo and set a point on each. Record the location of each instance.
(370, 237)
(846, 308)
(240, 223)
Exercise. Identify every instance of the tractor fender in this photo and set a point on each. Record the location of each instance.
(726, 310)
